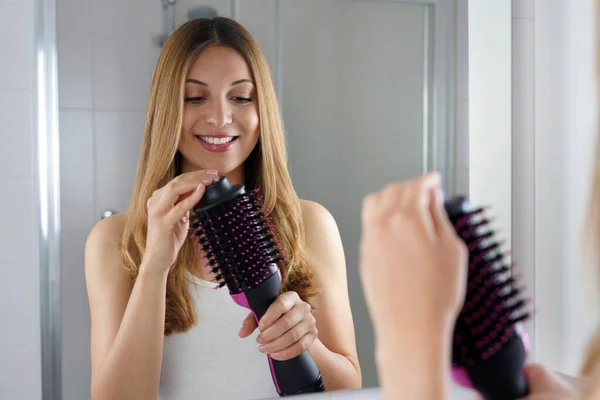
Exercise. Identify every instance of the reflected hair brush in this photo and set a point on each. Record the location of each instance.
(489, 344)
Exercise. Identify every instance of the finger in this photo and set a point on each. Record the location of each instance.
(294, 350)
(284, 303)
(441, 223)
(393, 197)
(541, 380)
(186, 218)
(369, 209)
(286, 322)
(195, 176)
(175, 215)
(380, 204)
(180, 186)
(248, 326)
(417, 201)
(287, 339)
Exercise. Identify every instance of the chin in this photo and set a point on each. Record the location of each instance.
(224, 167)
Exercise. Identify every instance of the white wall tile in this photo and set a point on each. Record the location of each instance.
(19, 296)
(260, 18)
(524, 76)
(461, 176)
(16, 46)
(223, 8)
(16, 151)
(74, 53)
(15, 2)
(17, 237)
(462, 50)
(462, 134)
(123, 72)
(119, 19)
(118, 136)
(77, 170)
(76, 317)
(523, 9)
(21, 377)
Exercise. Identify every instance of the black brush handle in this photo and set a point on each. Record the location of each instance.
(501, 376)
(299, 374)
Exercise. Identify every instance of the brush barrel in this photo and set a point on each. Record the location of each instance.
(501, 376)
(297, 375)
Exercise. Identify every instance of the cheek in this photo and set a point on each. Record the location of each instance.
(250, 122)
(187, 122)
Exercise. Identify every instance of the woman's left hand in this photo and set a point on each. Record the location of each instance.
(287, 329)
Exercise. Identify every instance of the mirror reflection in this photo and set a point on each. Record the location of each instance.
(313, 103)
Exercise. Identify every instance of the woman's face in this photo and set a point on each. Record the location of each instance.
(220, 118)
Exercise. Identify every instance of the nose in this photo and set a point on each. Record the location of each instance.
(219, 113)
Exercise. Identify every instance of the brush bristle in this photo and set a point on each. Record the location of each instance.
(493, 302)
(238, 241)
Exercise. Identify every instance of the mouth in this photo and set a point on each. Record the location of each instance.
(217, 144)
(217, 139)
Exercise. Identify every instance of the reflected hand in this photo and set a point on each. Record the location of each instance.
(412, 263)
(168, 218)
(544, 385)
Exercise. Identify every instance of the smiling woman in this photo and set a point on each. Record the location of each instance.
(212, 112)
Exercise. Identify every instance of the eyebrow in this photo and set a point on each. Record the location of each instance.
(197, 82)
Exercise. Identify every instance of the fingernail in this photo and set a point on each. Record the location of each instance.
(440, 196)
(261, 349)
(275, 355)
(261, 326)
(207, 180)
(259, 340)
(199, 187)
(212, 172)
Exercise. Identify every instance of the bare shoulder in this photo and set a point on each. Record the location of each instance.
(322, 238)
(316, 217)
(109, 227)
(102, 253)
(106, 234)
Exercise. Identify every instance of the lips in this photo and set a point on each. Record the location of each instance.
(217, 139)
(217, 144)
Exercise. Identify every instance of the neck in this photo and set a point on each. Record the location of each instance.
(235, 177)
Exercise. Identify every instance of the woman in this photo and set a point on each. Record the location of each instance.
(158, 328)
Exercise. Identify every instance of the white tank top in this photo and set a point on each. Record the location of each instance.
(210, 361)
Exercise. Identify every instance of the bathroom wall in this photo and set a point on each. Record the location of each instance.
(20, 367)
(106, 55)
(561, 138)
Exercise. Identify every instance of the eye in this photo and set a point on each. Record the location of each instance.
(239, 99)
(195, 100)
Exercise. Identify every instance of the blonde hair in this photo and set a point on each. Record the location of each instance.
(266, 167)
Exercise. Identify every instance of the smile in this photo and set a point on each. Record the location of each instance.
(217, 140)
(218, 144)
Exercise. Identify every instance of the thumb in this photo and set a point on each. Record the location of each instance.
(248, 326)
(540, 380)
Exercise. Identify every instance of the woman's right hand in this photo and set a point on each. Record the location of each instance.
(168, 218)
(412, 263)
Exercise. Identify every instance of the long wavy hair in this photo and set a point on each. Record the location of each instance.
(265, 168)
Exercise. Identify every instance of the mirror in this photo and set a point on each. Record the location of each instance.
(371, 91)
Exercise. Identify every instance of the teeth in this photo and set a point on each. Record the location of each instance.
(219, 140)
